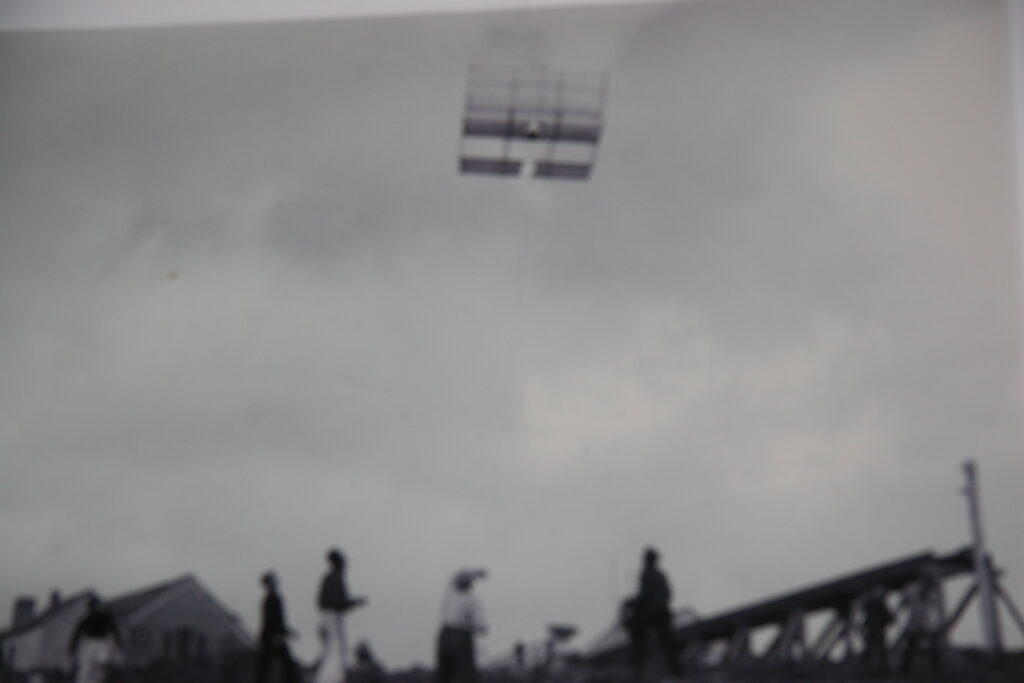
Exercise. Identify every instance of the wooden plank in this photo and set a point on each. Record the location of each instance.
(502, 167)
(558, 169)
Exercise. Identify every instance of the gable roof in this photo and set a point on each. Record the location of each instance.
(49, 613)
(136, 603)
(129, 603)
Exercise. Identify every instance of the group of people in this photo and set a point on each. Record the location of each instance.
(462, 620)
(644, 615)
(96, 640)
(333, 601)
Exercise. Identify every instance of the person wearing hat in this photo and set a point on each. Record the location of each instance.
(462, 619)
(334, 602)
(274, 633)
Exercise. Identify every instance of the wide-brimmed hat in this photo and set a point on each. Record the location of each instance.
(464, 578)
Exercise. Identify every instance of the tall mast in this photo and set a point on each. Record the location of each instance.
(982, 566)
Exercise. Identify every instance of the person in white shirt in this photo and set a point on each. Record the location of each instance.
(462, 619)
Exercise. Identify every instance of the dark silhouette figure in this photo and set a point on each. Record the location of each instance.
(462, 620)
(368, 669)
(93, 642)
(650, 612)
(334, 602)
(274, 633)
(877, 618)
(519, 658)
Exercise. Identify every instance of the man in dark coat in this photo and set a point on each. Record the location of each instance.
(649, 612)
(274, 633)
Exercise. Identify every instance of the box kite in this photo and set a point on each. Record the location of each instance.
(531, 121)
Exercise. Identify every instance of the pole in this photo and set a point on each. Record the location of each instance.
(982, 567)
(613, 587)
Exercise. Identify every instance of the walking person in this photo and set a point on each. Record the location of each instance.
(334, 602)
(462, 620)
(650, 612)
(94, 643)
(274, 634)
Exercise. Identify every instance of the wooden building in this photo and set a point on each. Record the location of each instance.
(177, 622)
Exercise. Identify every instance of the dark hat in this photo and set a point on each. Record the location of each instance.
(464, 578)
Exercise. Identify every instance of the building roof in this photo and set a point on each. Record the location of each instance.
(49, 613)
(138, 605)
(129, 603)
(132, 605)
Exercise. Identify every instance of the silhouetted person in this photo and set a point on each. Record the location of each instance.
(93, 643)
(519, 659)
(650, 612)
(876, 619)
(462, 619)
(924, 625)
(367, 666)
(333, 602)
(274, 633)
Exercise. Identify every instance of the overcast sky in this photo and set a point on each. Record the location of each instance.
(249, 310)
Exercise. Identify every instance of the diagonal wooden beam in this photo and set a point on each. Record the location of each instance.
(961, 607)
(828, 637)
(739, 646)
(1010, 607)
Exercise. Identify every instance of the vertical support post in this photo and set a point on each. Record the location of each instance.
(739, 645)
(989, 616)
(694, 652)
